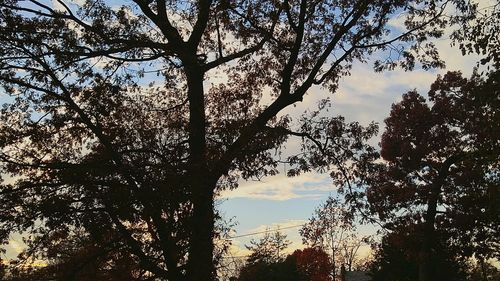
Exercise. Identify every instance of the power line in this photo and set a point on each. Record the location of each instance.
(265, 231)
(235, 257)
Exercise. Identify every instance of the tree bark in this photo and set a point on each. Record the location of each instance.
(425, 266)
(202, 185)
(428, 239)
(201, 266)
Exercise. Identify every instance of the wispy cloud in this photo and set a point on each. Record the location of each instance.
(281, 187)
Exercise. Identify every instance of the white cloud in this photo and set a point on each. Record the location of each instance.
(58, 6)
(281, 187)
(16, 246)
(238, 249)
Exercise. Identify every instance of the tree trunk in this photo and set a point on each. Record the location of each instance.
(484, 274)
(425, 255)
(202, 185)
(201, 265)
(334, 266)
(425, 267)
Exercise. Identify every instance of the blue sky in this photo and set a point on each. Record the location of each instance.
(364, 96)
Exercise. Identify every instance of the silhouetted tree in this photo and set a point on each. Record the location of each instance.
(309, 264)
(477, 34)
(397, 259)
(269, 249)
(267, 260)
(3, 268)
(441, 168)
(277, 271)
(313, 264)
(332, 228)
(484, 271)
(132, 117)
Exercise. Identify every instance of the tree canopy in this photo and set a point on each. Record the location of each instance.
(396, 258)
(308, 264)
(269, 249)
(332, 228)
(441, 169)
(132, 117)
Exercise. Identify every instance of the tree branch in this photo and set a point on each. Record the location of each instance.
(200, 25)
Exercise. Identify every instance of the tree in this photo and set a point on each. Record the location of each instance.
(476, 34)
(269, 249)
(2, 268)
(396, 258)
(308, 264)
(267, 260)
(75, 256)
(282, 270)
(114, 119)
(313, 264)
(441, 168)
(82, 258)
(332, 228)
(484, 271)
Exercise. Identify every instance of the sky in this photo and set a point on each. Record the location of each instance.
(287, 203)
(364, 96)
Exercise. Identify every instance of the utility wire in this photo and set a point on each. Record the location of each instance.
(265, 231)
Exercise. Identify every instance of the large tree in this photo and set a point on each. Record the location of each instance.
(132, 117)
(396, 258)
(441, 169)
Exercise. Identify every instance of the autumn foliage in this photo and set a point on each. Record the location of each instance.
(313, 264)
(441, 169)
(308, 264)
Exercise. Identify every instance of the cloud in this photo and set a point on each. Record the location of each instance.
(16, 246)
(238, 249)
(58, 6)
(281, 187)
(367, 96)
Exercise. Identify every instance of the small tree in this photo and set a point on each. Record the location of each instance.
(268, 260)
(269, 249)
(332, 229)
(309, 264)
(313, 264)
